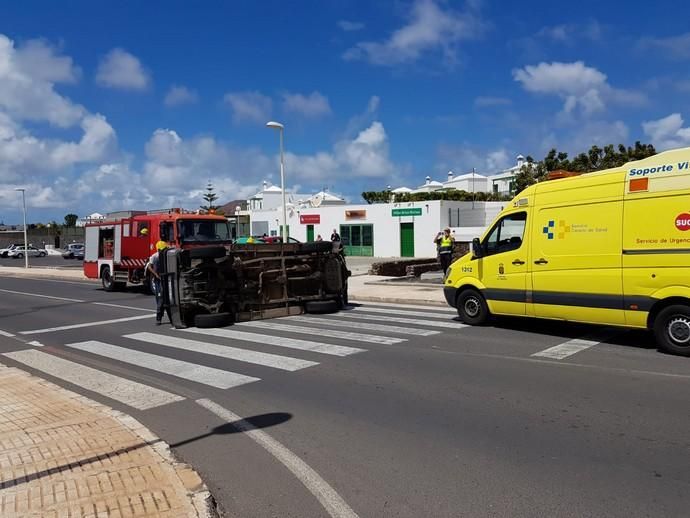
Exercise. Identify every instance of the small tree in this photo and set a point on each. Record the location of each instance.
(530, 173)
(71, 220)
(210, 197)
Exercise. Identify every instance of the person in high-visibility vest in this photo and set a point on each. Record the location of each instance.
(444, 244)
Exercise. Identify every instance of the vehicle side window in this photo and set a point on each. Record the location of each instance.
(506, 234)
(166, 230)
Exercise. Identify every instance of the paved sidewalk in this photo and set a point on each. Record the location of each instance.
(65, 455)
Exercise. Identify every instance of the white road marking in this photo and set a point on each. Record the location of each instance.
(346, 335)
(35, 343)
(363, 325)
(566, 349)
(41, 296)
(292, 343)
(426, 314)
(85, 324)
(449, 325)
(225, 351)
(122, 307)
(332, 502)
(185, 370)
(5, 333)
(438, 309)
(131, 393)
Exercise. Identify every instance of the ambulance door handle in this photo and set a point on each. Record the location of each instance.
(541, 261)
(517, 262)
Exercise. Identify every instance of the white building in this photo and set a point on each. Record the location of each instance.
(381, 230)
(470, 182)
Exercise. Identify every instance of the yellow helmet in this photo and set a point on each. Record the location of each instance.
(161, 245)
(144, 232)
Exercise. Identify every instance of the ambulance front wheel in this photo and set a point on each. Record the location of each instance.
(472, 307)
(672, 329)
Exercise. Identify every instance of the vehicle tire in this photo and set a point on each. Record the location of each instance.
(42, 254)
(212, 320)
(672, 329)
(472, 307)
(19, 256)
(208, 252)
(321, 306)
(107, 279)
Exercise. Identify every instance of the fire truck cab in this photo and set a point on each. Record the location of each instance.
(118, 247)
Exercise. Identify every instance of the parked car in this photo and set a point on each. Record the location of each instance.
(74, 251)
(20, 251)
(5, 251)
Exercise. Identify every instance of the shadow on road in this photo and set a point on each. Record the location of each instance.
(240, 426)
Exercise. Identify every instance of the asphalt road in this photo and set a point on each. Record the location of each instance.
(464, 422)
(48, 261)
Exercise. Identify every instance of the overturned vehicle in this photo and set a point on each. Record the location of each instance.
(213, 286)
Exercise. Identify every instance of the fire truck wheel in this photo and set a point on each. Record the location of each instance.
(107, 280)
(212, 320)
(321, 306)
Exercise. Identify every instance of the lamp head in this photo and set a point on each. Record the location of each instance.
(274, 125)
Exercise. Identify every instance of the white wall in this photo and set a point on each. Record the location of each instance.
(435, 216)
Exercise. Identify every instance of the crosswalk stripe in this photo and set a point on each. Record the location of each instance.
(438, 309)
(5, 333)
(346, 335)
(292, 343)
(364, 325)
(566, 349)
(449, 324)
(367, 309)
(189, 371)
(225, 351)
(131, 393)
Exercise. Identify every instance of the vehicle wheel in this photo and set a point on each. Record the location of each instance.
(20, 256)
(672, 329)
(208, 252)
(212, 320)
(321, 306)
(107, 280)
(42, 254)
(472, 307)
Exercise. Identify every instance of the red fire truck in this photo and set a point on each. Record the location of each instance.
(117, 247)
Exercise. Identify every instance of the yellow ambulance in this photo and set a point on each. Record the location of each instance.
(610, 247)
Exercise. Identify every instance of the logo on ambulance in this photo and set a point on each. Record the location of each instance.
(683, 221)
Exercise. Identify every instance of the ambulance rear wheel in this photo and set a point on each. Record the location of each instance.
(472, 307)
(672, 329)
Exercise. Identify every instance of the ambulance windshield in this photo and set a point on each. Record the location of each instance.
(203, 231)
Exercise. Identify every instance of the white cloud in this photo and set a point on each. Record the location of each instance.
(120, 69)
(580, 86)
(249, 106)
(486, 101)
(349, 26)
(39, 59)
(677, 47)
(179, 95)
(570, 33)
(430, 28)
(461, 159)
(667, 132)
(312, 105)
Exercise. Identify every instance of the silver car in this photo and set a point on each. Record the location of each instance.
(20, 251)
(4, 252)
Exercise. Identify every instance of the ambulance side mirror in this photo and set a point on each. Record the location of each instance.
(477, 250)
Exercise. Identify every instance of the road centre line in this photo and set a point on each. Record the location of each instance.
(41, 296)
(345, 335)
(225, 351)
(122, 307)
(278, 341)
(85, 324)
(365, 309)
(576, 345)
(362, 325)
(181, 369)
(438, 309)
(127, 392)
(449, 325)
(332, 502)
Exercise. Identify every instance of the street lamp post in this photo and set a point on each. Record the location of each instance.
(26, 241)
(280, 127)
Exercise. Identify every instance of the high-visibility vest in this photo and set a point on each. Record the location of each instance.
(446, 245)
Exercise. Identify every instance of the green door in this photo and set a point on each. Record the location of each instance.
(310, 233)
(358, 240)
(406, 239)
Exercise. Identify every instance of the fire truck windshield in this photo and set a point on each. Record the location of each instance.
(203, 231)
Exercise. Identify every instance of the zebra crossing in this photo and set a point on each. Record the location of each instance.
(319, 337)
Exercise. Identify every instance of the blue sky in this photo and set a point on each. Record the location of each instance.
(107, 106)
